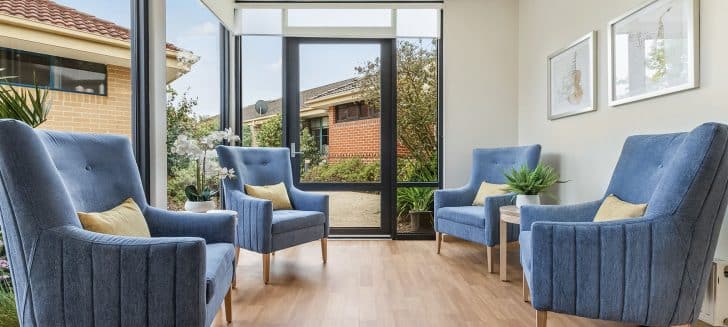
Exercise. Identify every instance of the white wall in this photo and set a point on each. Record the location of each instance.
(480, 80)
(586, 147)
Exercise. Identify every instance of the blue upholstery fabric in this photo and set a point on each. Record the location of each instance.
(63, 274)
(454, 213)
(650, 270)
(260, 229)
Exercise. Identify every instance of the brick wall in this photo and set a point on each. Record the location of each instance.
(110, 114)
(353, 139)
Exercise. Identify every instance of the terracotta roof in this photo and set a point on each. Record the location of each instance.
(49, 12)
(275, 106)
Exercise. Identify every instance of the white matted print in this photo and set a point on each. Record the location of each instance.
(653, 51)
(572, 79)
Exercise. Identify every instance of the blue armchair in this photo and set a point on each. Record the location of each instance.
(454, 213)
(650, 270)
(63, 274)
(260, 228)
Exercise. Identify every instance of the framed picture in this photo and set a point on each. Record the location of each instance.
(572, 83)
(654, 50)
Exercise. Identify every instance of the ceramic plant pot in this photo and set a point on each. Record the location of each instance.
(199, 206)
(527, 200)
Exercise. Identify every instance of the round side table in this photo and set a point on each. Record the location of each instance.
(508, 215)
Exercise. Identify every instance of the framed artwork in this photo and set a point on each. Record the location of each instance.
(572, 83)
(654, 50)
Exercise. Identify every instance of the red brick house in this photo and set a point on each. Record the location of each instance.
(341, 123)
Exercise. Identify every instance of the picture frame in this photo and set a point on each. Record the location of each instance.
(572, 78)
(654, 50)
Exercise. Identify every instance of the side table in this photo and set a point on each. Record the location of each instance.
(508, 215)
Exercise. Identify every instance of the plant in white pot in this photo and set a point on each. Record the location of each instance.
(530, 184)
(200, 195)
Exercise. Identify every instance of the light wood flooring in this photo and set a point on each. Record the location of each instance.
(384, 283)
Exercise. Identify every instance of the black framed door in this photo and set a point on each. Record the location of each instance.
(341, 129)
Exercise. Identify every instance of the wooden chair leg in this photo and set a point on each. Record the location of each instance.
(439, 242)
(229, 305)
(526, 291)
(324, 249)
(237, 257)
(266, 268)
(489, 258)
(541, 318)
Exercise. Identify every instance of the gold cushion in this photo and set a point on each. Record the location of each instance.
(615, 209)
(275, 193)
(124, 220)
(487, 189)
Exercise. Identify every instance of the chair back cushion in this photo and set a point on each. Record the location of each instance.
(256, 166)
(99, 171)
(490, 165)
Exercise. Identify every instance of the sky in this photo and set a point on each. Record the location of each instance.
(191, 26)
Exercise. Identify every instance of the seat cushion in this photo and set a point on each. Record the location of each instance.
(290, 220)
(219, 263)
(470, 215)
(526, 253)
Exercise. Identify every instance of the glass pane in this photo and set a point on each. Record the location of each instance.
(340, 17)
(262, 91)
(415, 209)
(354, 209)
(82, 97)
(417, 105)
(260, 21)
(340, 93)
(193, 94)
(418, 23)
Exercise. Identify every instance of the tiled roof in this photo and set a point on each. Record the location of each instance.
(275, 106)
(49, 12)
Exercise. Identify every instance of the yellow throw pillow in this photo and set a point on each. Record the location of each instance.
(615, 209)
(275, 193)
(124, 220)
(487, 189)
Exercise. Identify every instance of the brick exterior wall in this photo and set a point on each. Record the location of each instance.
(110, 114)
(353, 139)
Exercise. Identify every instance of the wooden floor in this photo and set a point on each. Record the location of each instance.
(384, 283)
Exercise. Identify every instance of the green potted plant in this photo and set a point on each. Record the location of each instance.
(530, 184)
(30, 106)
(416, 203)
(200, 194)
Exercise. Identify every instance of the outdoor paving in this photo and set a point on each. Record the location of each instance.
(354, 209)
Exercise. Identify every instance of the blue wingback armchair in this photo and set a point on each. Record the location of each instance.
(650, 270)
(454, 211)
(63, 274)
(260, 228)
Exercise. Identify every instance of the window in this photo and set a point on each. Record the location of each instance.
(339, 17)
(55, 73)
(320, 131)
(354, 111)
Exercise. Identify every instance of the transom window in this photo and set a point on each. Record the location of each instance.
(55, 73)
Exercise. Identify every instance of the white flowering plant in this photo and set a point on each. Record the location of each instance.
(201, 152)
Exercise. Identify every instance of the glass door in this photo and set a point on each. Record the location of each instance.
(338, 95)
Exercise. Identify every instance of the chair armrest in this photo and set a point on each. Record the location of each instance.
(492, 205)
(610, 270)
(310, 201)
(582, 212)
(456, 197)
(213, 227)
(255, 221)
(135, 281)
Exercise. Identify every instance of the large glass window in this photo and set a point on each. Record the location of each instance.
(340, 17)
(262, 87)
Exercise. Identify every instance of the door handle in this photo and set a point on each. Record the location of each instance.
(293, 150)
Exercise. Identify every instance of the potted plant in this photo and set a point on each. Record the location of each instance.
(530, 184)
(416, 203)
(200, 195)
(30, 106)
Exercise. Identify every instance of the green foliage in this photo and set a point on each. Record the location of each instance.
(414, 199)
(349, 170)
(30, 106)
(531, 182)
(309, 147)
(270, 133)
(8, 313)
(193, 194)
(247, 137)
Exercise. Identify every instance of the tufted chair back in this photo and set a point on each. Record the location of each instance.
(256, 166)
(491, 164)
(99, 171)
(33, 200)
